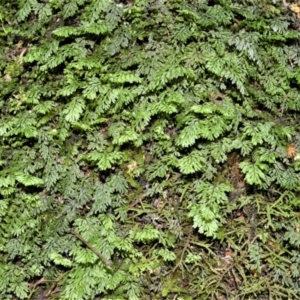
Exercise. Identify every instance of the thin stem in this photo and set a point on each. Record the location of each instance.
(106, 261)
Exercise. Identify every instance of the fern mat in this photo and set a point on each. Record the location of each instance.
(149, 149)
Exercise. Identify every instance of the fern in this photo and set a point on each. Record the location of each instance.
(192, 163)
(73, 110)
(128, 129)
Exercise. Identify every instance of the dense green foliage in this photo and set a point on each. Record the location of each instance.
(149, 150)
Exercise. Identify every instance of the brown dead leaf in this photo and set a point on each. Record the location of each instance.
(19, 44)
(132, 166)
(7, 78)
(291, 150)
(296, 9)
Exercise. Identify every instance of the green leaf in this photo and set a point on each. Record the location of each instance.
(256, 173)
(74, 110)
(28, 180)
(192, 163)
(66, 31)
(60, 260)
(104, 160)
(147, 234)
(22, 290)
(166, 254)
